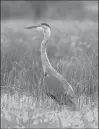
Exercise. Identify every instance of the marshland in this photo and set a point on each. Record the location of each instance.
(72, 50)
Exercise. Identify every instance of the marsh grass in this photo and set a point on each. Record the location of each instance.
(72, 50)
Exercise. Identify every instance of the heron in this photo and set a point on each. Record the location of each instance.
(55, 85)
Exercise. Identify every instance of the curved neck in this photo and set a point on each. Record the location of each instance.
(44, 57)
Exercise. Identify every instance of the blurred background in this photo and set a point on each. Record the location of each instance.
(37, 10)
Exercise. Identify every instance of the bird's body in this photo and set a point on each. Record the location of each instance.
(55, 85)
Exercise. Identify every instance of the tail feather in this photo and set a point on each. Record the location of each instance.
(70, 90)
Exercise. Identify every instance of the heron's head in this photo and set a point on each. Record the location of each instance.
(41, 27)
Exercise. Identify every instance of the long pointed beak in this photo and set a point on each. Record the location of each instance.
(30, 27)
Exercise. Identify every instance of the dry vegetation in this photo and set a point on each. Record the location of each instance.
(72, 50)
